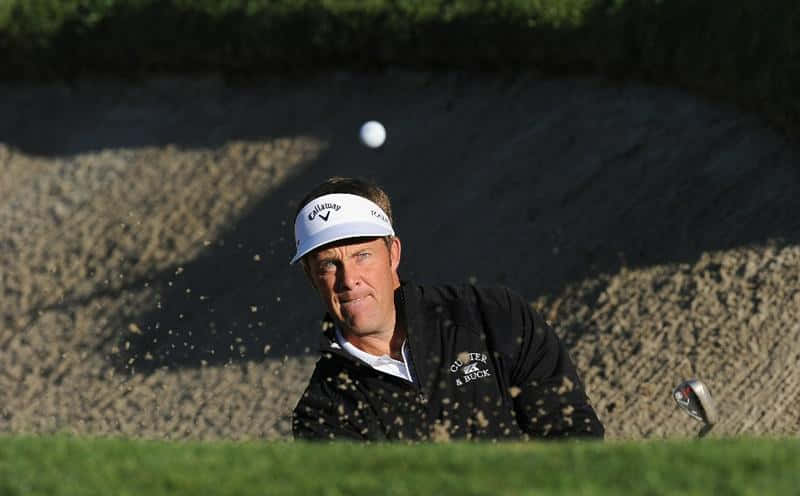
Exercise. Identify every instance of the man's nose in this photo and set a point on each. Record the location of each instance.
(347, 277)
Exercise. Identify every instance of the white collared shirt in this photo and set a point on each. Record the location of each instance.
(383, 363)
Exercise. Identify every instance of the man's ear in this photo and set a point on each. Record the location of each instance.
(395, 250)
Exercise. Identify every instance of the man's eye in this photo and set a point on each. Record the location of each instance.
(327, 266)
(364, 254)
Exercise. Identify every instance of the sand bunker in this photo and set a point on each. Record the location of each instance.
(145, 233)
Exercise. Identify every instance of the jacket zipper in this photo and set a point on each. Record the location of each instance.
(417, 383)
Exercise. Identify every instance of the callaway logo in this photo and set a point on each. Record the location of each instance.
(470, 366)
(321, 207)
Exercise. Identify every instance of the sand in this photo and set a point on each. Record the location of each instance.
(145, 233)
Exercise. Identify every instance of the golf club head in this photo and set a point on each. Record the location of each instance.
(695, 399)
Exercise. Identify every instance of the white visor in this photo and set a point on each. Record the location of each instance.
(337, 216)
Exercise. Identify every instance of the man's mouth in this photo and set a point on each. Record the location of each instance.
(352, 301)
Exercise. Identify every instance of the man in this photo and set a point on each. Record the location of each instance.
(406, 362)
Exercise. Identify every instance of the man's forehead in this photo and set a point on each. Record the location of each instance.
(333, 247)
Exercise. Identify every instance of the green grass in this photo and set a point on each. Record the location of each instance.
(65, 465)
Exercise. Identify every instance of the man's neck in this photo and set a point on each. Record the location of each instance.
(379, 344)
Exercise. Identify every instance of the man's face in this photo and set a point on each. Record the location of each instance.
(356, 279)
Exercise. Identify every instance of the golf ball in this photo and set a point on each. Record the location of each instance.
(372, 134)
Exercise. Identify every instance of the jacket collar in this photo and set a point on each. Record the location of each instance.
(408, 301)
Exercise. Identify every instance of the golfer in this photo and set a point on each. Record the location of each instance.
(406, 362)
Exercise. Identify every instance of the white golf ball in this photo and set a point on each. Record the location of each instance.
(373, 134)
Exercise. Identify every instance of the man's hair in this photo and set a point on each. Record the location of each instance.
(360, 187)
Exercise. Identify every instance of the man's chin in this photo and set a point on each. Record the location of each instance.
(358, 326)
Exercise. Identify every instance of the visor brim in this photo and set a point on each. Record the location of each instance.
(338, 233)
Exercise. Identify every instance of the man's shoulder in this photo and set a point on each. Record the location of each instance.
(335, 369)
(468, 304)
(324, 380)
(328, 366)
(499, 297)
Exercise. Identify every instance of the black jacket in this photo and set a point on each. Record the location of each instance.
(486, 366)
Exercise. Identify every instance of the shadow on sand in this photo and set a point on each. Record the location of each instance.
(526, 183)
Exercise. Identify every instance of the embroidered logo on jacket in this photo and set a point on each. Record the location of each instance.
(469, 367)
